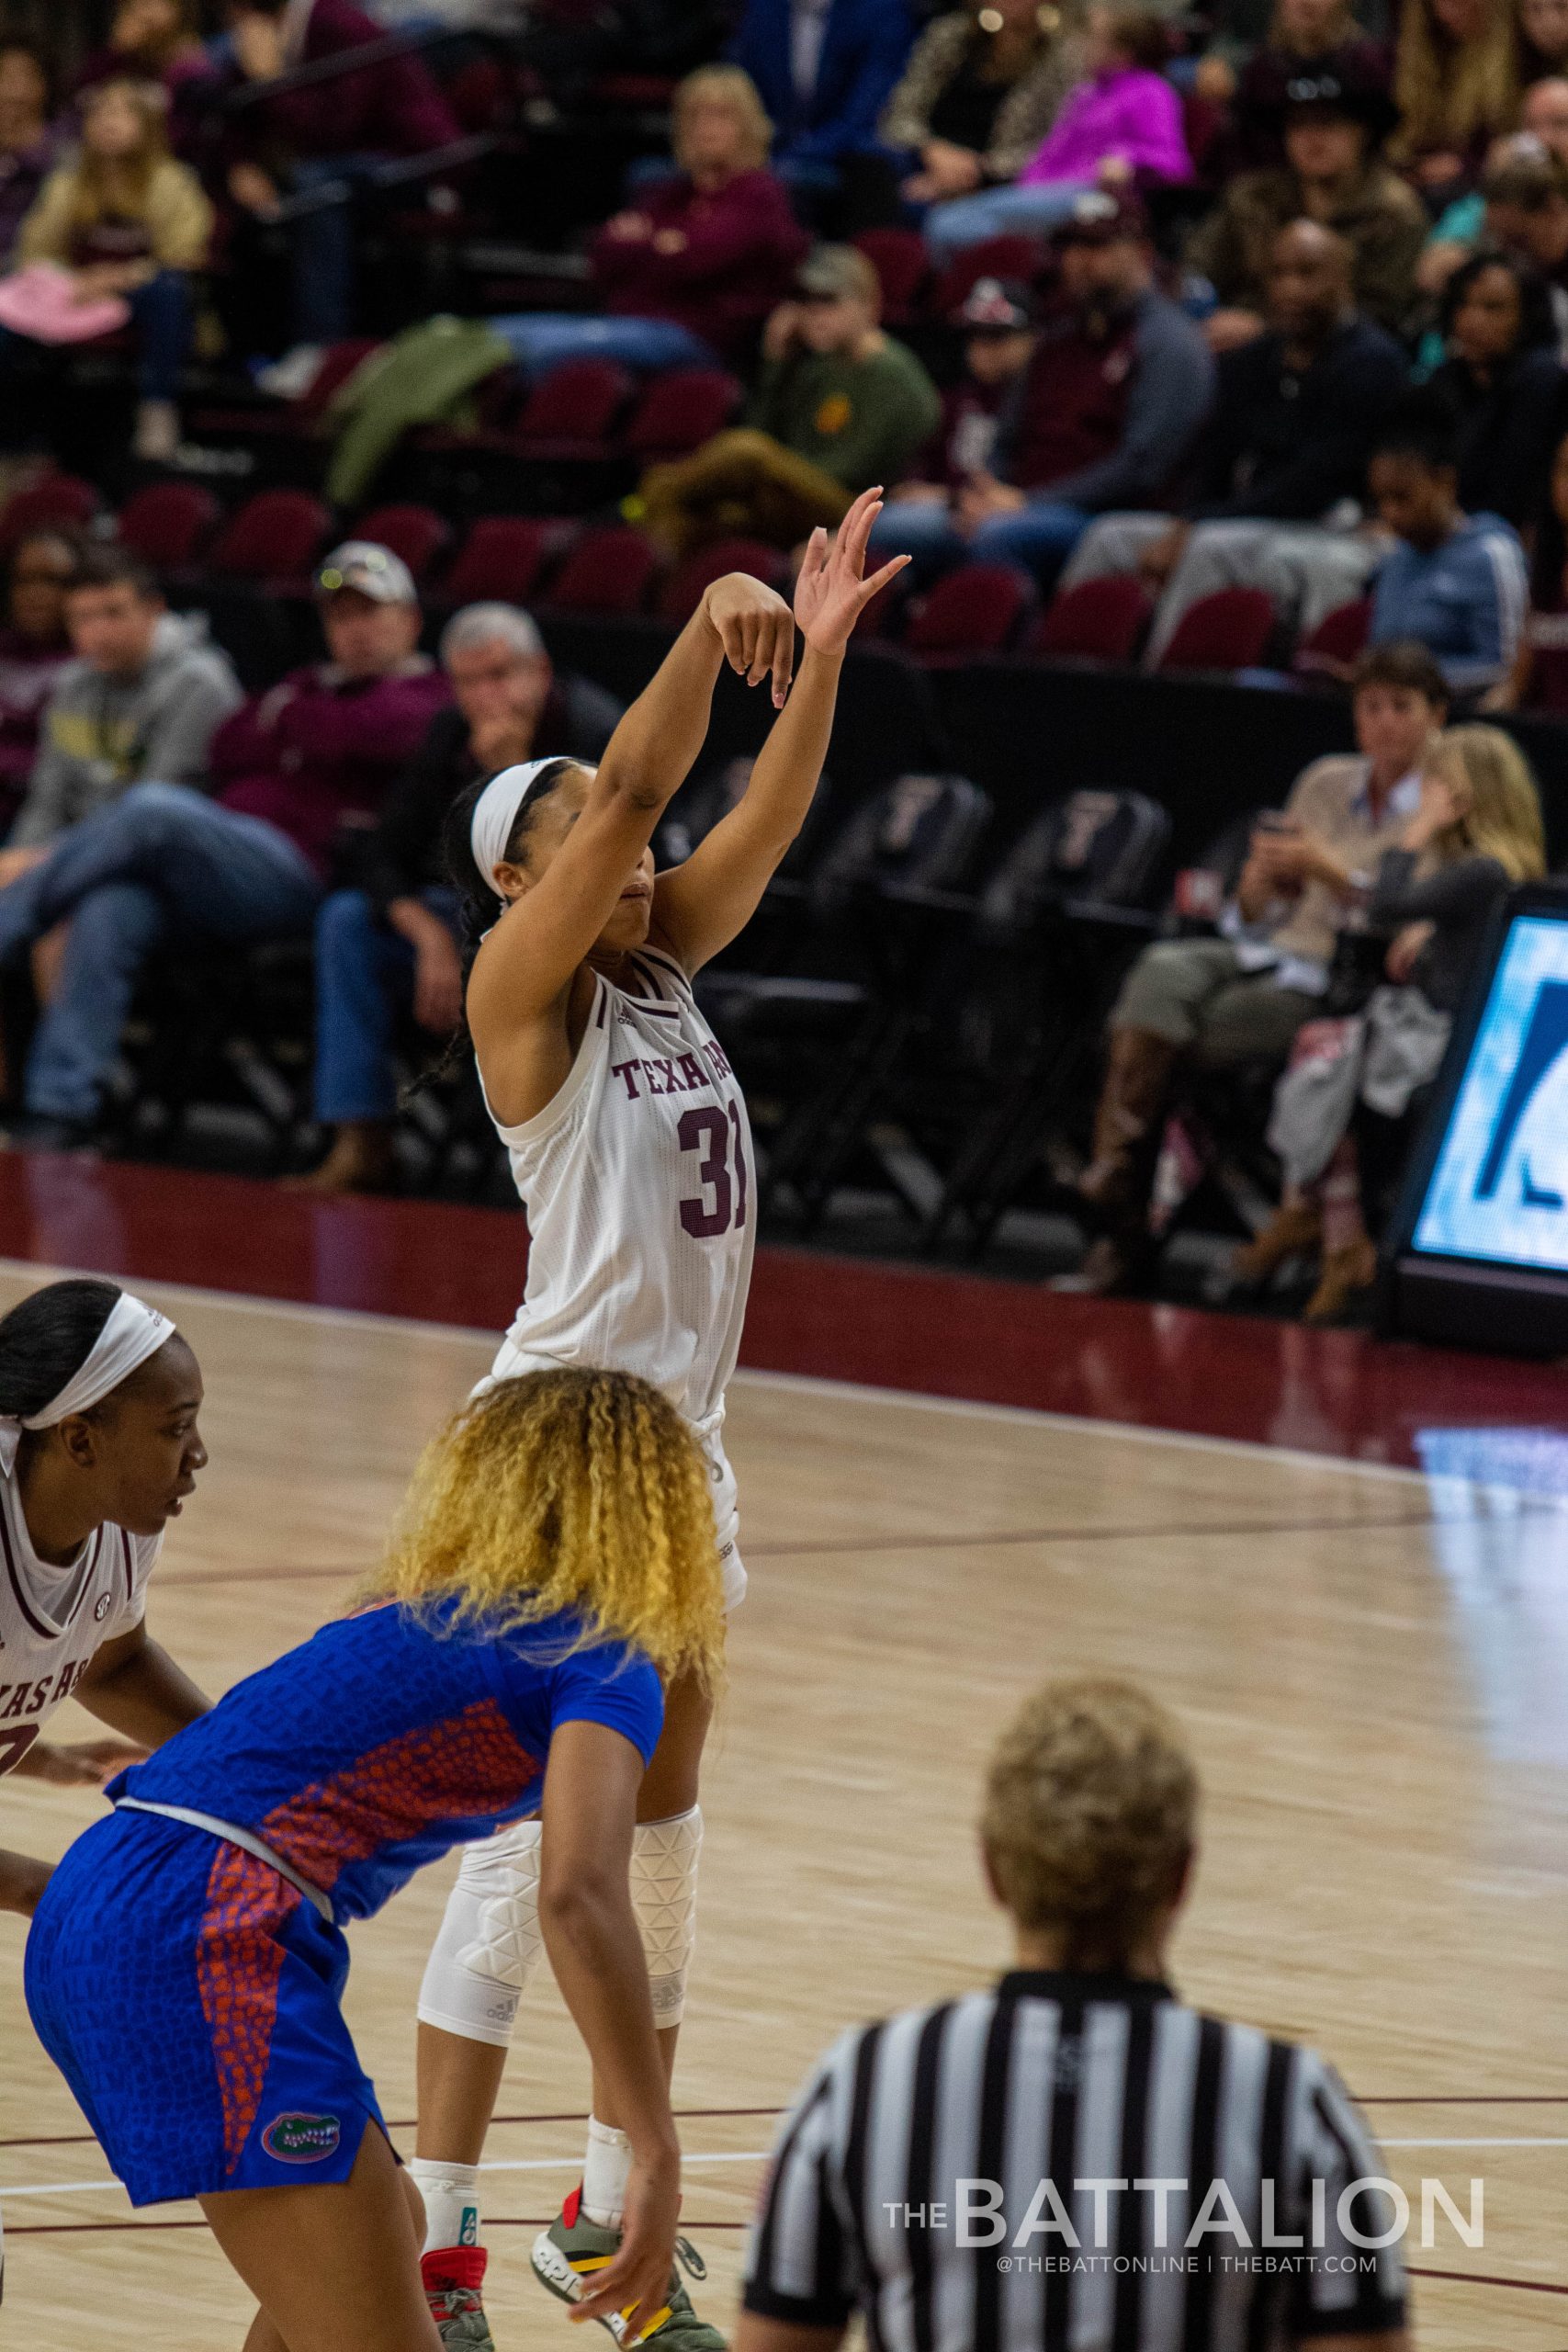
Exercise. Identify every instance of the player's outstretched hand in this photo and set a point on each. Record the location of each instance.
(86, 1764)
(833, 591)
(637, 2281)
(756, 629)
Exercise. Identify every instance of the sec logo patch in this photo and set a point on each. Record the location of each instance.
(102, 1611)
(301, 2139)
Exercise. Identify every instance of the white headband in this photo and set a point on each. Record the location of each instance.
(498, 809)
(134, 1332)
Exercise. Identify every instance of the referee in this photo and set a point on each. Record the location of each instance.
(1074, 2162)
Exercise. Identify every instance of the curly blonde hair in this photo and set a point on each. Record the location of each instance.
(1090, 1810)
(733, 86)
(568, 1490)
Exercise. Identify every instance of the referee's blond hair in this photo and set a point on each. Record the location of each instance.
(1090, 1810)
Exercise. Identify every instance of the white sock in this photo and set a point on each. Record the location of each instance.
(451, 2194)
(606, 2168)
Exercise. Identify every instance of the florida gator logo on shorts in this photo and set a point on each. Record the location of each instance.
(301, 2139)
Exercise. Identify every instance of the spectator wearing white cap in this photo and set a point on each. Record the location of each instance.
(387, 947)
(246, 861)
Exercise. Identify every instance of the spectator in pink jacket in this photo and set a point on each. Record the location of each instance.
(289, 140)
(1122, 123)
(690, 270)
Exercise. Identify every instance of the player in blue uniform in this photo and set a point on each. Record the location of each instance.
(556, 1559)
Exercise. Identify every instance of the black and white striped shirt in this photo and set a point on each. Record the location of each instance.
(1074, 2163)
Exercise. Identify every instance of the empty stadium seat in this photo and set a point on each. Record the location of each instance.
(276, 536)
(57, 501)
(418, 533)
(976, 609)
(679, 412)
(1338, 641)
(571, 412)
(1229, 631)
(902, 265)
(168, 522)
(609, 570)
(503, 559)
(1100, 621)
(683, 590)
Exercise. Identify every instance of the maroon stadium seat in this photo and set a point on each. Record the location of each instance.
(1336, 642)
(1229, 631)
(975, 609)
(276, 536)
(572, 411)
(1100, 621)
(682, 591)
(59, 502)
(902, 265)
(416, 533)
(168, 522)
(503, 557)
(609, 570)
(679, 412)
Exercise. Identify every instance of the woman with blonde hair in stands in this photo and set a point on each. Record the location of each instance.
(126, 225)
(687, 271)
(556, 1566)
(1340, 1119)
(1081, 2061)
(1456, 83)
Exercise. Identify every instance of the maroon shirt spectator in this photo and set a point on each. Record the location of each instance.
(996, 320)
(715, 248)
(155, 41)
(391, 107)
(320, 750)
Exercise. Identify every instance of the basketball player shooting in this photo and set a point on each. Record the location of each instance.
(631, 1150)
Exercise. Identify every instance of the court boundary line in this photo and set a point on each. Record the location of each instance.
(811, 1384)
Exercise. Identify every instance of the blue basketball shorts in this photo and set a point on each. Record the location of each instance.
(191, 1999)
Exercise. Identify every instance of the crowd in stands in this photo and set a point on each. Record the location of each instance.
(1229, 339)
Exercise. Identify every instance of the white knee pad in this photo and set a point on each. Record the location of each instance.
(489, 1944)
(664, 1896)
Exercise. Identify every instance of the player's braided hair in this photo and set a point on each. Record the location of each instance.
(568, 1490)
(1091, 1814)
(47, 1338)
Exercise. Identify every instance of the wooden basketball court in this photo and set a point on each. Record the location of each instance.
(1374, 1669)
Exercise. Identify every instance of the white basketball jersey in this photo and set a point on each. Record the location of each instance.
(638, 1183)
(54, 1621)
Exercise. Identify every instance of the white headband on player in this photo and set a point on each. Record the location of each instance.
(134, 1332)
(499, 806)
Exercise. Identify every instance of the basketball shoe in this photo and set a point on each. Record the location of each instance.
(574, 2247)
(453, 2276)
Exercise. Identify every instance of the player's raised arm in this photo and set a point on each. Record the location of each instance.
(700, 906)
(559, 909)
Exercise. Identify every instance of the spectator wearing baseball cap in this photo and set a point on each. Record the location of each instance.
(169, 864)
(1332, 124)
(1114, 389)
(997, 320)
(840, 404)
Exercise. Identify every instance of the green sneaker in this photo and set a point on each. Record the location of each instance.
(574, 2247)
(452, 2278)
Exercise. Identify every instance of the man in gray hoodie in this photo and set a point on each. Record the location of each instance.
(139, 704)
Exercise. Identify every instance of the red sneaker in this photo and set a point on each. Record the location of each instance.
(453, 2276)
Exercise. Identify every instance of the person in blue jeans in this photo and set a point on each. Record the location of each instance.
(1117, 386)
(163, 859)
(387, 948)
